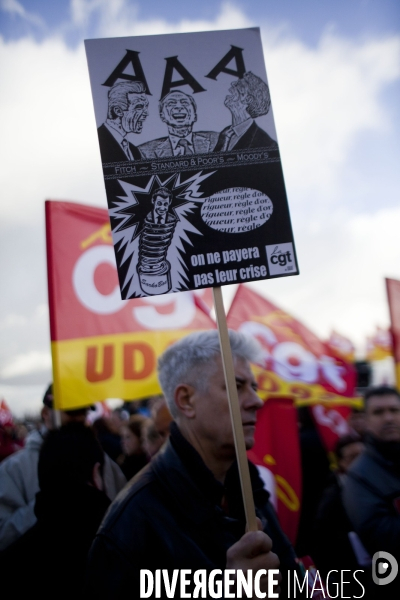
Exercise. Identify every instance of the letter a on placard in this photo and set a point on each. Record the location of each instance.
(187, 78)
(234, 53)
(131, 58)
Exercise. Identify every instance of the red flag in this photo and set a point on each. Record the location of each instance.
(103, 347)
(379, 345)
(341, 346)
(277, 421)
(296, 363)
(331, 422)
(393, 293)
(6, 418)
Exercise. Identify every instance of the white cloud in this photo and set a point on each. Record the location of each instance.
(22, 364)
(23, 400)
(323, 98)
(13, 7)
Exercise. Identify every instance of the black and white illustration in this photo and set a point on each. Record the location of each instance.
(126, 112)
(247, 99)
(190, 159)
(179, 113)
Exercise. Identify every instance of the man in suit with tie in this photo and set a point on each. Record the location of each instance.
(161, 201)
(179, 112)
(247, 99)
(127, 110)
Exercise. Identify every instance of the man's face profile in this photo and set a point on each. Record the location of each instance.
(161, 205)
(137, 111)
(383, 417)
(213, 421)
(237, 94)
(178, 111)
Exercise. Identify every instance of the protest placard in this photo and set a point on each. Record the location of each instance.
(190, 159)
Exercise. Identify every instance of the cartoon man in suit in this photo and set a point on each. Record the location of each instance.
(179, 112)
(153, 268)
(127, 110)
(247, 99)
(161, 201)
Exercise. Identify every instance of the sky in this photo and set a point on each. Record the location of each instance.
(334, 75)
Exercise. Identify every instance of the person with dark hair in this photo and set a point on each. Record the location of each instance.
(333, 546)
(356, 420)
(109, 438)
(19, 478)
(179, 112)
(247, 99)
(127, 110)
(372, 489)
(185, 510)
(161, 200)
(134, 455)
(69, 508)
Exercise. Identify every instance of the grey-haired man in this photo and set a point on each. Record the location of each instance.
(185, 510)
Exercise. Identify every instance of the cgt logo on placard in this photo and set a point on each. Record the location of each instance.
(384, 568)
(281, 259)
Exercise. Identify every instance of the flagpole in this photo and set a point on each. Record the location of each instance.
(230, 381)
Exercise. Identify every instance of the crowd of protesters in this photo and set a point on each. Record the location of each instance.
(57, 484)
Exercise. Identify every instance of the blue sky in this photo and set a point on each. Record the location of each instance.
(334, 74)
(305, 19)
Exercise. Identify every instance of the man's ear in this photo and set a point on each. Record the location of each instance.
(97, 479)
(183, 396)
(47, 417)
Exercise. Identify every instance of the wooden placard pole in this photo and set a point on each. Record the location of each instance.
(230, 381)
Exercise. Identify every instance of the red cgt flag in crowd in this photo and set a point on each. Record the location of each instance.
(276, 451)
(393, 293)
(297, 369)
(342, 346)
(379, 345)
(103, 347)
(296, 363)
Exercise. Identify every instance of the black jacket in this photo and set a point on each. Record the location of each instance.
(170, 517)
(371, 497)
(111, 151)
(332, 547)
(254, 137)
(51, 556)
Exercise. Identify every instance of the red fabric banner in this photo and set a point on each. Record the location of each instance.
(6, 418)
(296, 363)
(277, 449)
(393, 293)
(341, 346)
(104, 347)
(379, 345)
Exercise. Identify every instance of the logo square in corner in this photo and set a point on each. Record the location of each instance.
(281, 259)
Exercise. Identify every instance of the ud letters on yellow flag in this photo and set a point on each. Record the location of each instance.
(103, 347)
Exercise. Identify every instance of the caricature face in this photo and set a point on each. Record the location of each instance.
(132, 119)
(161, 205)
(178, 111)
(237, 94)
